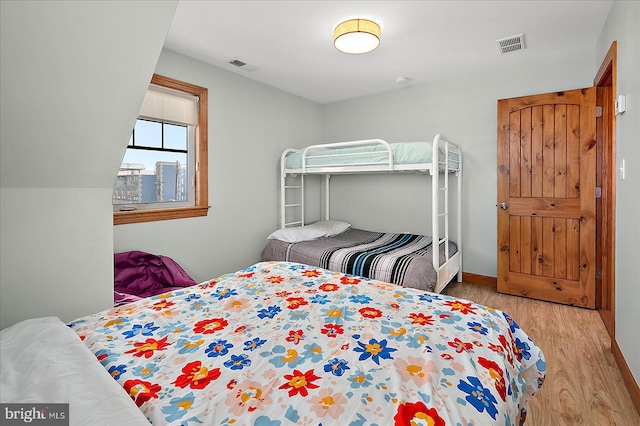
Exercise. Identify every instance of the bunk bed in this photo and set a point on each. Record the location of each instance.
(404, 259)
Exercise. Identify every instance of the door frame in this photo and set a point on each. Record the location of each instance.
(605, 82)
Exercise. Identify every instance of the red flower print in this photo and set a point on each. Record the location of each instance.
(332, 330)
(311, 273)
(141, 391)
(349, 280)
(299, 382)
(461, 346)
(496, 374)
(369, 312)
(275, 279)
(147, 347)
(409, 411)
(232, 384)
(163, 304)
(328, 287)
(447, 357)
(295, 336)
(249, 275)
(421, 319)
(464, 308)
(240, 329)
(296, 302)
(395, 306)
(283, 294)
(496, 348)
(505, 346)
(196, 376)
(210, 326)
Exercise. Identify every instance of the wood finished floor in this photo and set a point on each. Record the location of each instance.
(583, 384)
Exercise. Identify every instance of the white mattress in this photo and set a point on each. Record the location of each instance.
(403, 153)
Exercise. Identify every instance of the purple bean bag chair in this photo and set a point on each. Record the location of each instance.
(138, 275)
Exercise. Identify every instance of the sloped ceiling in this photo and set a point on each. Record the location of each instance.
(73, 76)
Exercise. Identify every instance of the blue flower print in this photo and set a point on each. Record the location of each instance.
(375, 350)
(178, 407)
(478, 328)
(269, 312)
(336, 366)
(192, 296)
(238, 362)
(188, 346)
(337, 314)
(362, 299)
(313, 352)
(360, 379)
(223, 293)
(218, 348)
(116, 371)
(250, 345)
(512, 324)
(522, 349)
(298, 315)
(174, 327)
(146, 330)
(428, 297)
(447, 317)
(320, 299)
(479, 396)
(145, 371)
(418, 340)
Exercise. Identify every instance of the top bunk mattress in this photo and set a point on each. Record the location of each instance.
(407, 153)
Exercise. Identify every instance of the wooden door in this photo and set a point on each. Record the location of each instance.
(546, 196)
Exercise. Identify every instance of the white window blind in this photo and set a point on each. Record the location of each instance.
(168, 105)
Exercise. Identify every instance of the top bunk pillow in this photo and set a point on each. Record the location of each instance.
(297, 234)
(331, 227)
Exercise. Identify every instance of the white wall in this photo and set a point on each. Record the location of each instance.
(73, 76)
(622, 25)
(250, 124)
(464, 110)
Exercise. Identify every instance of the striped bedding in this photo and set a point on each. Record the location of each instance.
(403, 259)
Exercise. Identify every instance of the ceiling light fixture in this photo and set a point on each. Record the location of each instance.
(356, 36)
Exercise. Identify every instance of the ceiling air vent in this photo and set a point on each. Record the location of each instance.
(511, 44)
(238, 63)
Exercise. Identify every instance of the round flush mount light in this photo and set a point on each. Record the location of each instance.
(356, 36)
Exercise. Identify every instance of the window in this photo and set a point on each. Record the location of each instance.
(164, 171)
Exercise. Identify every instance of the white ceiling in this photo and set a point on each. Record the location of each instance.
(289, 44)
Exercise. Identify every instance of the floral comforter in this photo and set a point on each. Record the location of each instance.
(288, 344)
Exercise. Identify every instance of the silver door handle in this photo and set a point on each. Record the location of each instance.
(504, 206)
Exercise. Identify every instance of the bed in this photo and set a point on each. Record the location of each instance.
(403, 259)
(439, 159)
(283, 343)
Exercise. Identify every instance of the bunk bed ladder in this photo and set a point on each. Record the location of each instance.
(450, 163)
(291, 201)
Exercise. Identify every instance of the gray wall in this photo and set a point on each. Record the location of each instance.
(250, 124)
(464, 110)
(622, 25)
(73, 76)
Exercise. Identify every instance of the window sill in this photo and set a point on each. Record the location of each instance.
(139, 216)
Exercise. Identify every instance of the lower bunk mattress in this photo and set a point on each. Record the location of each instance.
(403, 259)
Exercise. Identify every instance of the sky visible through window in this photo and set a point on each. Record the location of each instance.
(149, 134)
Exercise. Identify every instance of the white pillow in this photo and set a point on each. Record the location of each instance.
(297, 234)
(331, 227)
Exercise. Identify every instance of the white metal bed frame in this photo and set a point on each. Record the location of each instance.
(451, 162)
